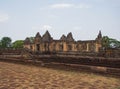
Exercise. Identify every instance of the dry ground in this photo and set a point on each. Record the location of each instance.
(18, 76)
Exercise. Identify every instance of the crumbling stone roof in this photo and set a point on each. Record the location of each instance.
(38, 35)
(29, 40)
(63, 38)
(47, 37)
(70, 37)
(99, 36)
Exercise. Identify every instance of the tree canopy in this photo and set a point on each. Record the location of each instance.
(18, 44)
(110, 42)
(5, 42)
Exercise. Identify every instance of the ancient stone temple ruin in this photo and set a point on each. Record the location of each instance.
(67, 43)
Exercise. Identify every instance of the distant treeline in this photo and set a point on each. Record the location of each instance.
(6, 42)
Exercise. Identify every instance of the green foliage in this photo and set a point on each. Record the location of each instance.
(110, 42)
(105, 42)
(0, 44)
(5, 42)
(114, 43)
(18, 44)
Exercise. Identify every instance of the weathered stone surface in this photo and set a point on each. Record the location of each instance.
(37, 38)
(70, 37)
(38, 35)
(47, 37)
(63, 38)
(27, 41)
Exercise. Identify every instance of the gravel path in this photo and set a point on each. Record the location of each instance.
(18, 76)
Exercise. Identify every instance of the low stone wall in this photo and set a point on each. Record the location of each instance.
(95, 61)
(10, 56)
(10, 51)
(70, 59)
(110, 52)
(66, 66)
(91, 54)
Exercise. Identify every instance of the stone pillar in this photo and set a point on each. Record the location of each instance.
(87, 47)
(97, 47)
(64, 46)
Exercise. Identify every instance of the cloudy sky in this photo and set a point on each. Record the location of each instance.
(84, 18)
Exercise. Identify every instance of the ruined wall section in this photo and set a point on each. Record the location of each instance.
(65, 44)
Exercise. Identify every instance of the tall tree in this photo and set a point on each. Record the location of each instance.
(18, 44)
(105, 42)
(110, 42)
(6, 42)
(0, 44)
(114, 43)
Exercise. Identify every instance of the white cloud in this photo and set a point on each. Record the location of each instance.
(43, 27)
(67, 5)
(81, 6)
(77, 28)
(46, 27)
(62, 6)
(4, 17)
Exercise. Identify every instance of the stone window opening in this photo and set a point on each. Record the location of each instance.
(61, 47)
(69, 48)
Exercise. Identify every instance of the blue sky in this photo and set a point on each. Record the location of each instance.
(84, 18)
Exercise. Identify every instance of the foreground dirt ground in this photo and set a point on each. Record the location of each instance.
(18, 76)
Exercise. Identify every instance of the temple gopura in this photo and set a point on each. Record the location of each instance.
(67, 43)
